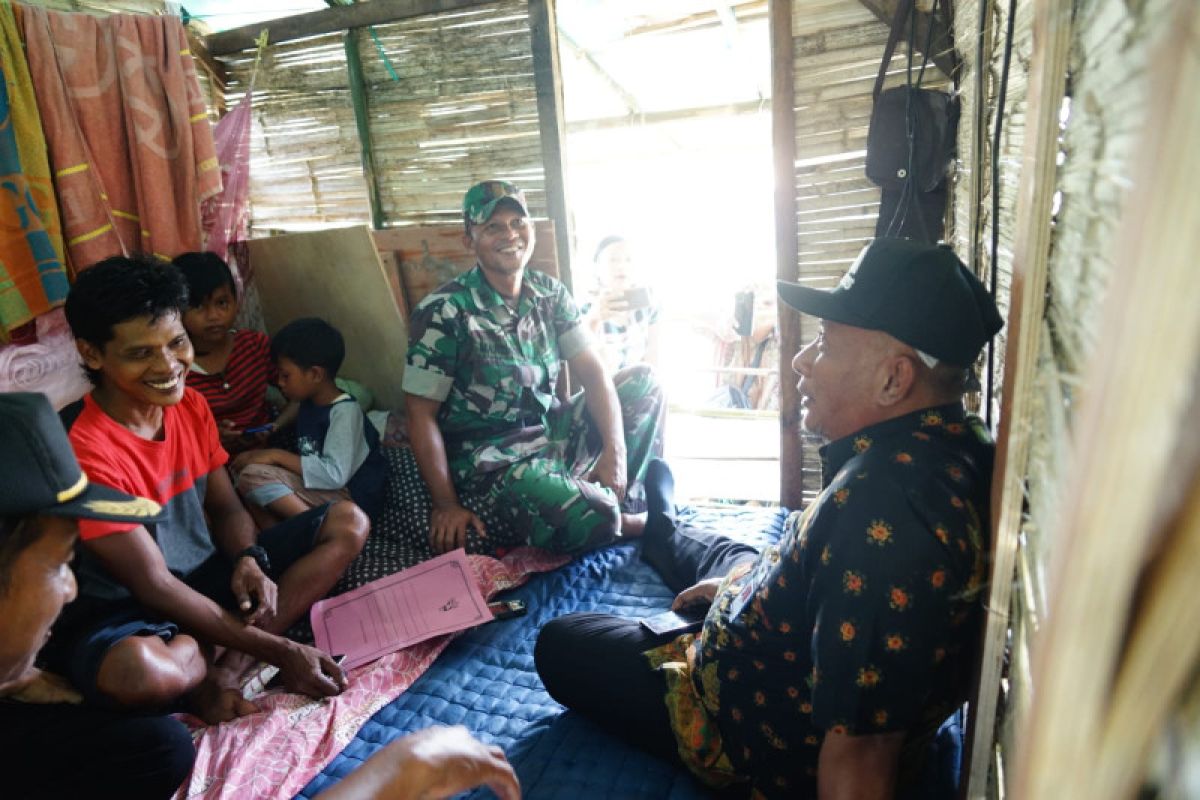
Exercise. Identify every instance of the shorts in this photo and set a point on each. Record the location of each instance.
(90, 626)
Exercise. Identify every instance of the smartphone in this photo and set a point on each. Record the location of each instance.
(256, 429)
(688, 619)
(507, 609)
(638, 297)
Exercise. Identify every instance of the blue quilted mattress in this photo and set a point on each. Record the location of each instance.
(486, 681)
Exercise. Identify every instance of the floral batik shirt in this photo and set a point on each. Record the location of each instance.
(862, 619)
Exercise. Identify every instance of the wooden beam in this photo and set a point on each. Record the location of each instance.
(626, 96)
(677, 115)
(1031, 252)
(787, 245)
(330, 20)
(941, 43)
(362, 120)
(547, 77)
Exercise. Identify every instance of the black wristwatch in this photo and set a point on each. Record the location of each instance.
(259, 555)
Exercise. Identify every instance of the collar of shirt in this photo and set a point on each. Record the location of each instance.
(835, 454)
(486, 296)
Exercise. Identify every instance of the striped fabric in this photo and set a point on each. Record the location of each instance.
(239, 392)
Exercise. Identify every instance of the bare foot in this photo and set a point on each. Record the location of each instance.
(214, 702)
(632, 525)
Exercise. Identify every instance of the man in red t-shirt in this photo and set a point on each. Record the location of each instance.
(204, 569)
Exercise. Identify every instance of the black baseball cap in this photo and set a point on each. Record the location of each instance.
(39, 473)
(921, 294)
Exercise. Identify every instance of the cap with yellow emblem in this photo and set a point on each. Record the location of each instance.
(39, 473)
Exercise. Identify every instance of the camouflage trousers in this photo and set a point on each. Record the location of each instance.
(548, 494)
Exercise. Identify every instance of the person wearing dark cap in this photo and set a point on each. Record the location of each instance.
(50, 744)
(825, 663)
(485, 354)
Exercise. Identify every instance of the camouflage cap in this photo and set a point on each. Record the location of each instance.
(481, 200)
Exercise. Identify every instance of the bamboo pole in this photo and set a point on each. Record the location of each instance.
(330, 20)
(547, 77)
(1047, 83)
(1140, 398)
(783, 130)
(362, 120)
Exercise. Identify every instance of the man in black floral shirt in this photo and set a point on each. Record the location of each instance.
(826, 662)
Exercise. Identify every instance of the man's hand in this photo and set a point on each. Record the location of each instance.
(41, 688)
(611, 471)
(231, 435)
(308, 671)
(448, 527)
(701, 593)
(257, 595)
(431, 763)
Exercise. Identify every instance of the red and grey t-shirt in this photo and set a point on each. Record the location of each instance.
(173, 472)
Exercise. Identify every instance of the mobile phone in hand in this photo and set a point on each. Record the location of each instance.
(690, 618)
(507, 609)
(256, 429)
(638, 297)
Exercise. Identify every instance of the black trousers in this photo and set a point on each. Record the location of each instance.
(593, 663)
(68, 751)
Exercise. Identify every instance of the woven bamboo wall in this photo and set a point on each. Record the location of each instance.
(462, 107)
(305, 157)
(1012, 138)
(1110, 42)
(837, 45)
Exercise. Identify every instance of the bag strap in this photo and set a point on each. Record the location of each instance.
(903, 9)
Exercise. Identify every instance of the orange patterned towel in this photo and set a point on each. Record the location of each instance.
(125, 123)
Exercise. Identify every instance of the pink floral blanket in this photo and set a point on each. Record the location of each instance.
(276, 752)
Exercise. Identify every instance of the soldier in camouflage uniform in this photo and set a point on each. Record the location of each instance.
(484, 357)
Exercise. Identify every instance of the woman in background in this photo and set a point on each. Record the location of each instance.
(624, 315)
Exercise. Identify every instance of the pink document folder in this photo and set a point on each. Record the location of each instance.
(435, 597)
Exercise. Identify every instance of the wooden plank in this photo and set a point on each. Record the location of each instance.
(330, 20)
(1047, 84)
(358, 97)
(783, 138)
(547, 78)
(429, 255)
(1120, 645)
(337, 275)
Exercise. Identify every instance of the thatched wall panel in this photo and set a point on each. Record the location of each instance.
(451, 101)
(837, 46)
(306, 163)
(1110, 45)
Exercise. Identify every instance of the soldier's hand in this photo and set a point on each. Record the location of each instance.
(610, 471)
(448, 527)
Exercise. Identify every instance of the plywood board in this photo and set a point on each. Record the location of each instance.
(337, 275)
(429, 255)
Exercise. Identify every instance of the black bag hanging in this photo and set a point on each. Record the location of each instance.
(911, 144)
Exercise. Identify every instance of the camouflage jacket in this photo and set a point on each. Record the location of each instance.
(492, 368)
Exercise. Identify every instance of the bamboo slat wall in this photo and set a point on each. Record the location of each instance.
(462, 107)
(305, 158)
(1109, 47)
(837, 46)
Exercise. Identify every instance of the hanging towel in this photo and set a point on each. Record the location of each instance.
(32, 278)
(129, 139)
